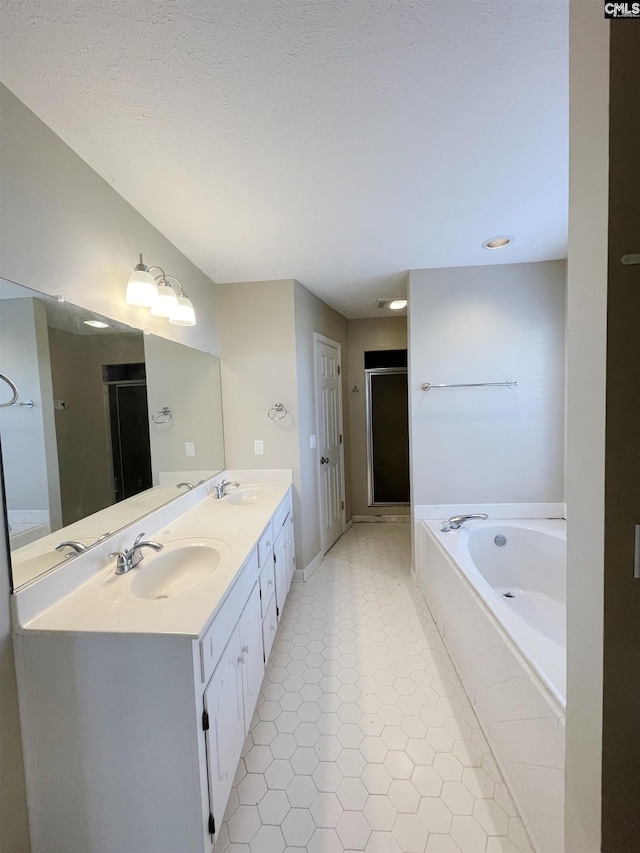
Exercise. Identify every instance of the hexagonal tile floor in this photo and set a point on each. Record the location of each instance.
(363, 737)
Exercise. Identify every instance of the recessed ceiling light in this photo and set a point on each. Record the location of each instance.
(497, 242)
(397, 304)
(96, 324)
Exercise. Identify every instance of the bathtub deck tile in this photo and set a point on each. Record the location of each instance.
(362, 702)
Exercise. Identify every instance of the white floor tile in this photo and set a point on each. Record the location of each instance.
(363, 738)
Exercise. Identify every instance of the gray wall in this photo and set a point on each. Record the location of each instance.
(487, 324)
(367, 335)
(586, 359)
(64, 230)
(313, 315)
(257, 350)
(266, 342)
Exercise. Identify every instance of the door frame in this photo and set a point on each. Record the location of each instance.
(322, 339)
(369, 372)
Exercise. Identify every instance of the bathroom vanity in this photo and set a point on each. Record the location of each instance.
(137, 690)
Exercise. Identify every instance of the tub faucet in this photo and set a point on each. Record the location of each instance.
(457, 521)
(131, 558)
(219, 490)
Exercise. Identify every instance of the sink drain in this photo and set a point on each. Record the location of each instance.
(500, 540)
(158, 597)
(508, 595)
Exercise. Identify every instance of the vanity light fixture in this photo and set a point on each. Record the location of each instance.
(142, 289)
(158, 294)
(183, 314)
(166, 300)
(498, 242)
(96, 324)
(398, 304)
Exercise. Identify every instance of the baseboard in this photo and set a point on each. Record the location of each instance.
(348, 525)
(358, 519)
(302, 575)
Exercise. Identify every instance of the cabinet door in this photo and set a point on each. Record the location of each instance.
(289, 549)
(269, 627)
(252, 654)
(226, 733)
(279, 558)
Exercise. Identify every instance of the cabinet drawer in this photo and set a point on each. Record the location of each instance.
(267, 584)
(269, 625)
(281, 514)
(217, 634)
(265, 544)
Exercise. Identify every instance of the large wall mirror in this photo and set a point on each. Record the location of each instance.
(108, 422)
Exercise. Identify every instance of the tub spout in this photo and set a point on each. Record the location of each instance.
(457, 521)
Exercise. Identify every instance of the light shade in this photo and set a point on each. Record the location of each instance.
(141, 289)
(398, 304)
(183, 314)
(165, 302)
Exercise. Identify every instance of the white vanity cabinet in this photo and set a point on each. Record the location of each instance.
(252, 655)
(223, 720)
(132, 740)
(289, 549)
(283, 554)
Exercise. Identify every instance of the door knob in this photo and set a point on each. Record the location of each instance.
(324, 460)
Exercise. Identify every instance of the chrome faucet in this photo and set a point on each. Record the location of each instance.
(128, 560)
(219, 490)
(190, 485)
(76, 548)
(457, 521)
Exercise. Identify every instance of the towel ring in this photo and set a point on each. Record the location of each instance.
(162, 416)
(14, 391)
(28, 404)
(277, 412)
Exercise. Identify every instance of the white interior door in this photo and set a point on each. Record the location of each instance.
(330, 447)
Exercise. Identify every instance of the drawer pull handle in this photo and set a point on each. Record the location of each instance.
(245, 650)
(273, 628)
(269, 583)
(240, 659)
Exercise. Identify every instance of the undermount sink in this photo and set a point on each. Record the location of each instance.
(250, 494)
(178, 568)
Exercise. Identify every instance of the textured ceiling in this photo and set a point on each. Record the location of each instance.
(339, 143)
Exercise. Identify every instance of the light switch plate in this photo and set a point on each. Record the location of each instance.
(258, 447)
(313, 442)
(189, 448)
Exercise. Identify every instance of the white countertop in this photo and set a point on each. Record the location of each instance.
(104, 604)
